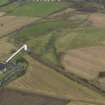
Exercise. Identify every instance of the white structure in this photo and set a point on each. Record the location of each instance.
(24, 47)
(3, 65)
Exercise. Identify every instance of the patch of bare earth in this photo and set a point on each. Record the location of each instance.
(97, 20)
(9, 24)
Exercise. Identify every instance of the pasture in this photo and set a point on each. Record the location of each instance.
(33, 9)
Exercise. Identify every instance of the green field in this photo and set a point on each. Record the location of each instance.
(3, 2)
(38, 38)
(38, 30)
(33, 9)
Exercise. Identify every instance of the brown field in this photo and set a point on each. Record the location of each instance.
(97, 20)
(9, 24)
(14, 97)
(42, 79)
(5, 49)
(85, 62)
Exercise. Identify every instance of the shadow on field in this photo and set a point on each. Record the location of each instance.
(15, 97)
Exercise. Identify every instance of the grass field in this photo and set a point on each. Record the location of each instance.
(39, 38)
(33, 9)
(80, 38)
(3, 2)
(39, 30)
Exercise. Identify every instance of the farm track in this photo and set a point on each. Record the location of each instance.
(8, 3)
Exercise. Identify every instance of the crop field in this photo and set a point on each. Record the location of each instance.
(5, 51)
